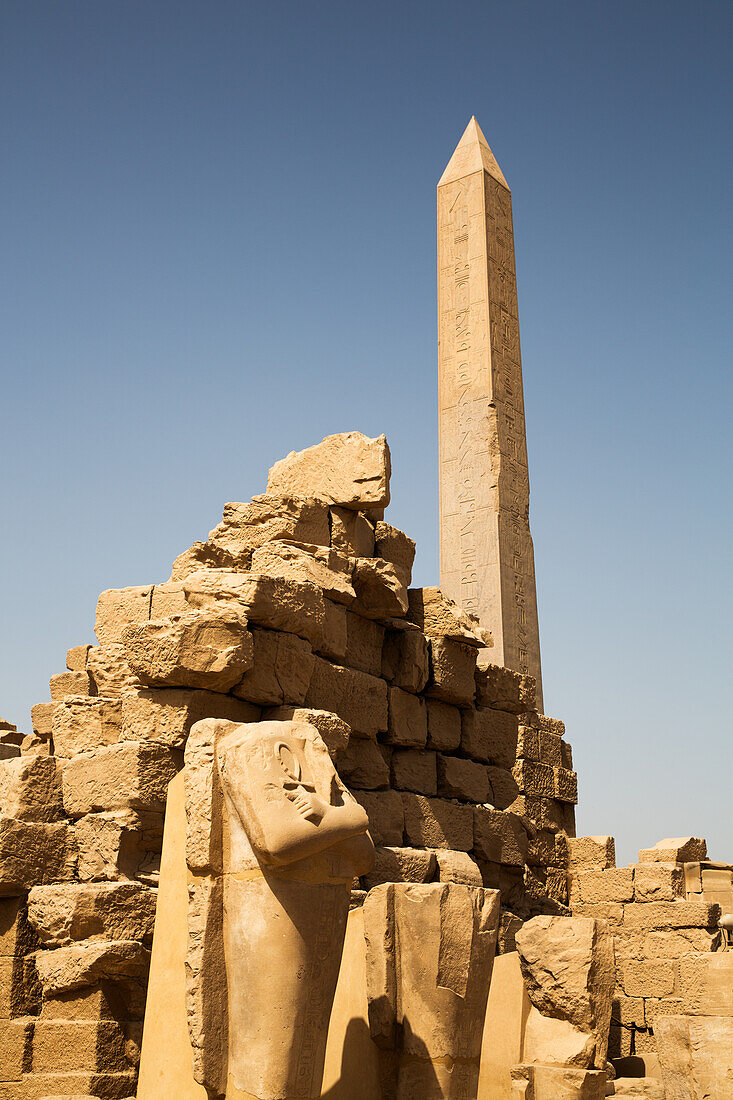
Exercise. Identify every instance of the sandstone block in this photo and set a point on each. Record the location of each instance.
(396, 547)
(352, 533)
(200, 649)
(611, 912)
(84, 723)
(333, 730)
(118, 608)
(591, 887)
(489, 735)
(658, 881)
(414, 770)
(281, 670)
(109, 672)
(540, 746)
(504, 788)
(130, 775)
(401, 865)
(536, 1082)
(706, 984)
(33, 852)
(405, 658)
(364, 641)
(244, 527)
(17, 936)
(69, 912)
(437, 823)
(686, 849)
(118, 843)
(76, 658)
(663, 916)
(327, 569)
(499, 837)
(380, 590)
(167, 714)
(534, 779)
(439, 617)
(565, 785)
(359, 700)
(466, 780)
(204, 555)
(456, 867)
(587, 853)
(16, 1041)
(444, 726)
(503, 689)
(83, 964)
(408, 723)
(386, 814)
(363, 766)
(167, 600)
(696, 1056)
(295, 607)
(542, 722)
(69, 683)
(76, 1086)
(547, 848)
(349, 469)
(452, 666)
(30, 789)
(628, 1011)
(41, 719)
(683, 941)
(69, 1046)
(648, 977)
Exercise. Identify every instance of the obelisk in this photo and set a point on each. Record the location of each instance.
(486, 554)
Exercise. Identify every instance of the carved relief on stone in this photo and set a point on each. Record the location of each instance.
(430, 953)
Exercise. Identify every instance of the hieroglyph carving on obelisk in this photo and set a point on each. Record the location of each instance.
(486, 554)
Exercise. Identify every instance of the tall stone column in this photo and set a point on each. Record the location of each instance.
(486, 553)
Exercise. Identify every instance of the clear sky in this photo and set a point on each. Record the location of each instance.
(218, 245)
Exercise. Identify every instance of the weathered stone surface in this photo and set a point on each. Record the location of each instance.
(380, 590)
(244, 527)
(119, 843)
(167, 600)
(205, 555)
(201, 649)
(696, 1056)
(427, 999)
(465, 780)
(83, 964)
(359, 699)
(167, 714)
(333, 644)
(706, 984)
(282, 667)
(395, 546)
(568, 968)
(664, 915)
(41, 719)
(118, 608)
(69, 683)
(414, 770)
(130, 775)
(647, 977)
(490, 736)
(333, 730)
(541, 746)
(352, 533)
(349, 470)
(401, 865)
(83, 723)
(537, 1082)
(30, 789)
(109, 671)
(92, 911)
(437, 823)
(362, 765)
(686, 849)
(502, 688)
(452, 667)
(407, 719)
(76, 658)
(295, 607)
(386, 814)
(504, 789)
(658, 881)
(592, 887)
(456, 867)
(437, 616)
(327, 569)
(364, 641)
(203, 797)
(500, 837)
(591, 852)
(405, 657)
(33, 853)
(444, 726)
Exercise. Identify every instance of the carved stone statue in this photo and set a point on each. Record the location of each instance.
(430, 953)
(294, 839)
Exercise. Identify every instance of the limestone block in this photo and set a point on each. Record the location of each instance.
(327, 569)
(533, 1082)
(34, 852)
(504, 788)
(405, 658)
(706, 984)
(414, 770)
(295, 607)
(65, 913)
(444, 726)
(386, 814)
(333, 644)
(281, 670)
(456, 867)
(408, 720)
(437, 823)
(244, 527)
(658, 881)
(565, 785)
(359, 700)
(648, 977)
(685, 849)
(76, 658)
(663, 916)
(499, 837)
(30, 789)
(167, 714)
(69, 683)
(489, 735)
(364, 641)
(109, 672)
(362, 765)
(85, 722)
(568, 968)
(591, 852)
(83, 964)
(696, 1056)
(129, 775)
(333, 730)
(118, 608)
(397, 547)
(612, 884)
(401, 865)
(200, 649)
(118, 843)
(380, 590)
(352, 533)
(502, 688)
(452, 667)
(427, 1000)
(349, 470)
(466, 780)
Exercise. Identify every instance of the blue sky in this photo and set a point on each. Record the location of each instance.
(218, 245)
